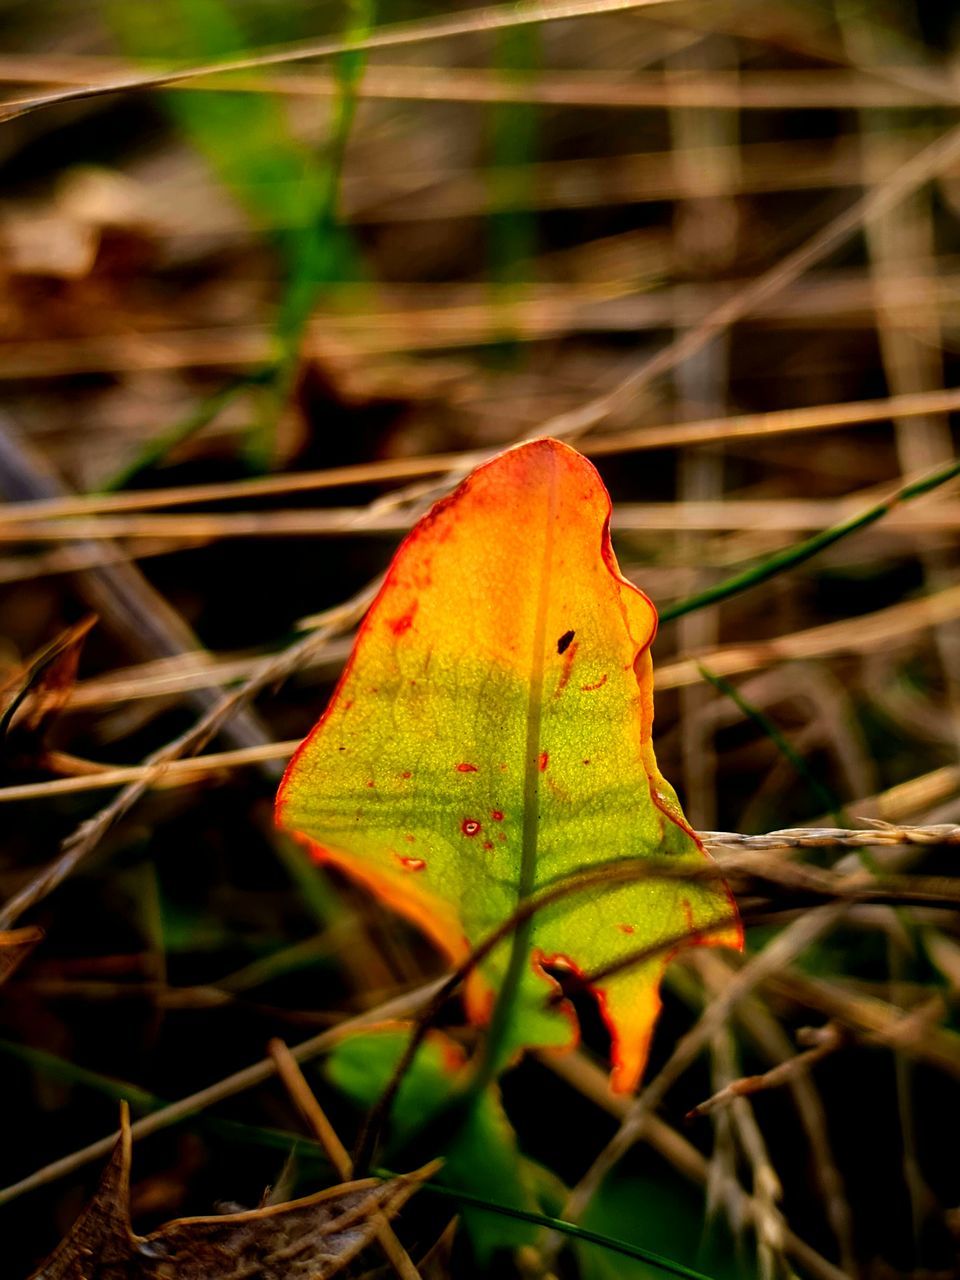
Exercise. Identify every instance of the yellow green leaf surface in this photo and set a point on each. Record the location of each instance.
(491, 733)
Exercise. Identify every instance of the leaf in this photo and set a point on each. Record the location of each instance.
(481, 1156)
(492, 733)
(36, 694)
(15, 945)
(315, 1237)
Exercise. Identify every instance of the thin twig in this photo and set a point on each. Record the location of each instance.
(591, 1083)
(767, 1033)
(828, 1041)
(795, 939)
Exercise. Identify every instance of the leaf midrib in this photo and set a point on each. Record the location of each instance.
(530, 830)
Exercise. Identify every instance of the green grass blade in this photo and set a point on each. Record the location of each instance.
(802, 551)
(290, 192)
(575, 1231)
(826, 799)
(512, 223)
(155, 451)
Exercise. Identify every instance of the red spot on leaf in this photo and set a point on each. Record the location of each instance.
(586, 762)
(568, 656)
(470, 827)
(413, 864)
(543, 761)
(406, 774)
(371, 783)
(502, 838)
(409, 838)
(626, 928)
(590, 688)
(488, 844)
(693, 932)
(466, 768)
(399, 625)
(692, 929)
(496, 815)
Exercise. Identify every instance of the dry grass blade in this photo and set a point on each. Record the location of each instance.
(773, 1042)
(175, 773)
(879, 835)
(710, 430)
(853, 635)
(542, 315)
(919, 169)
(248, 1078)
(294, 1081)
(495, 18)
(86, 838)
(742, 91)
(202, 529)
(589, 1081)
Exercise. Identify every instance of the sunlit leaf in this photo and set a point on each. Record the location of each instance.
(492, 733)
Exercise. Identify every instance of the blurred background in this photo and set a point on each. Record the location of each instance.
(320, 285)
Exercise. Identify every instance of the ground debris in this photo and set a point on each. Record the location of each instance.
(315, 1237)
(15, 944)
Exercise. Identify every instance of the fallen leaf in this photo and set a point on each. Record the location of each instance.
(491, 733)
(41, 690)
(308, 1239)
(15, 944)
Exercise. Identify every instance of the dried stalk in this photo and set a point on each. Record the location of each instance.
(294, 1081)
(710, 430)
